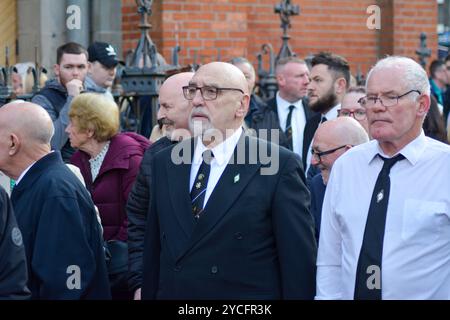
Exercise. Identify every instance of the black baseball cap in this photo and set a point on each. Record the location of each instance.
(104, 53)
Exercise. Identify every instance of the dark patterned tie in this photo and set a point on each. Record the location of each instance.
(368, 272)
(288, 130)
(201, 182)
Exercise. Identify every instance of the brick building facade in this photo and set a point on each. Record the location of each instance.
(226, 28)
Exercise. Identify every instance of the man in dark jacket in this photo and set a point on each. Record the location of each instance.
(61, 234)
(174, 115)
(290, 104)
(71, 68)
(233, 225)
(260, 117)
(13, 265)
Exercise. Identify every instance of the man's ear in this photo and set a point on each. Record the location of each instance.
(424, 105)
(340, 86)
(281, 80)
(241, 112)
(14, 144)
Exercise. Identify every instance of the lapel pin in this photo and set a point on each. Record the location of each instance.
(380, 196)
(236, 178)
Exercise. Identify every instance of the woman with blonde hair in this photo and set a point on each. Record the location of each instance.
(109, 162)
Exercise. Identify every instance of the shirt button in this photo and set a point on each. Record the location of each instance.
(238, 236)
(214, 269)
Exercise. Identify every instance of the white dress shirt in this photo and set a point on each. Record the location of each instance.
(331, 114)
(222, 155)
(416, 247)
(298, 121)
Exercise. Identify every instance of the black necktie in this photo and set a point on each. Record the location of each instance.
(323, 119)
(288, 130)
(368, 272)
(201, 182)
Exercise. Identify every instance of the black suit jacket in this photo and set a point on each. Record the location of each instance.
(254, 239)
(310, 129)
(272, 103)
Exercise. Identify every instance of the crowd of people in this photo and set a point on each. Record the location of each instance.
(327, 191)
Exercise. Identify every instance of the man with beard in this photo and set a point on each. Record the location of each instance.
(290, 104)
(220, 225)
(330, 78)
(173, 117)
(57, 95)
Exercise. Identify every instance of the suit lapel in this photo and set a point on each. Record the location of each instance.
(179, 192)
(310, 129)
(230, 185)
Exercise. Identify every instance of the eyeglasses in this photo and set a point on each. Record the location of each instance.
(359, 114)
(208, 92)
(319, 155)
(386, 101)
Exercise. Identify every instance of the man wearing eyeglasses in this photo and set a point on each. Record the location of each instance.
(386, 212)
(220, 226)
(331, 140)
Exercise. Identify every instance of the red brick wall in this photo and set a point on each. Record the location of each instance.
(207, 28)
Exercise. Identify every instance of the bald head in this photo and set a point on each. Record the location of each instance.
(25, 133)
(176, 82)
(223, 103)
(224, 73)
(341, 131)
(174, 109)
(28, 121)
(332, 139)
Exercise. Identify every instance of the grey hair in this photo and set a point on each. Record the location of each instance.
(414, 76)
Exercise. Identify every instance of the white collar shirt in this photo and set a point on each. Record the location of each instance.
(416, 246)
(298, 121)
(222, 155)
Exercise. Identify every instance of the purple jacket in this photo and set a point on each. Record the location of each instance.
(114, 181)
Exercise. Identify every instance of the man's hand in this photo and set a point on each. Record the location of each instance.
(74, 87)
(137, 294)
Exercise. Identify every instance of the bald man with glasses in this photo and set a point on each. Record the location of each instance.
(223, 222)
(331, 140)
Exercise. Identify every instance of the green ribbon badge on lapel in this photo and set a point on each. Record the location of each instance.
(236, 178)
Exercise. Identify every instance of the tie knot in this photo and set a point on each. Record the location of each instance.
(207, 156)
(291, 108)
(323, 119)
(389, 162)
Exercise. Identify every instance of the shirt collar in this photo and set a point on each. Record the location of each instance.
(412, 151)
(284, 105)
(222, 152)
(333, 112)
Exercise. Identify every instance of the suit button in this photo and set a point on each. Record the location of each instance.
(214, 269)
(238, 236)
(177, 268)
